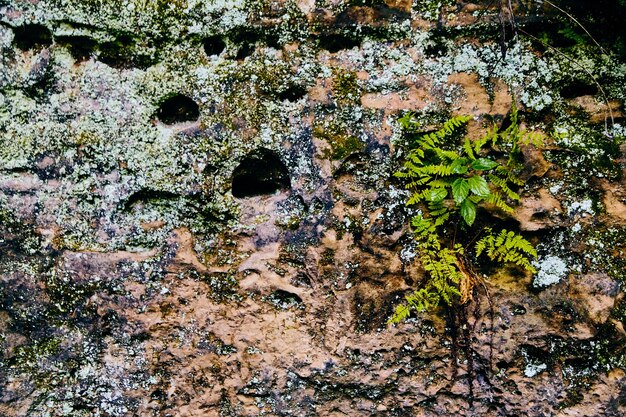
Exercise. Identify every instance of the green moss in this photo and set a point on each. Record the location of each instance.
(327, 257)
(290, 222)
(342, 144)
(430, 9)
(582, 360)
(588, 150)
(619, 312)
(27, 357)
(346, 89)
(65, 295)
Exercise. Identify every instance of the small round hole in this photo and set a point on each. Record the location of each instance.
(214, 45)
(260, 173)
(178, 109)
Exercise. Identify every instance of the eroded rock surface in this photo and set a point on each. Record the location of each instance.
(198, 214)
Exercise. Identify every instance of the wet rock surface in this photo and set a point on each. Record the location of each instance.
(198, 214)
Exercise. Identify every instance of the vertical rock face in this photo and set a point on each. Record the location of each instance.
(198, 214)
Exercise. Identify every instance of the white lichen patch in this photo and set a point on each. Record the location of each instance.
(532, 369)
(550, 270)
(583, 207)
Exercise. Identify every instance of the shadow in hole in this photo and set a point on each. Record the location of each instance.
(260, 173)
(178, 109)
(335, 42)
(214, 45)
(32, 36)
(293, 93)
(81, 47)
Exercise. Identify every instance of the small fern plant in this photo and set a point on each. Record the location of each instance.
(448, 182)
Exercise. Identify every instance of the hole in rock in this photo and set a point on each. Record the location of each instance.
(123, 52)
(301, 280)
(293, 93)
(244, 51)
(214, 45)
(260, 173)
(246, 41)
(579, 88)
(32, 36)
(337, 42)
(518, 310)
(81, 47)
(178, 109)
(272, 40)
(539, 215)
(284, 299)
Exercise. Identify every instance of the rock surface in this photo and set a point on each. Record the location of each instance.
(198, 214)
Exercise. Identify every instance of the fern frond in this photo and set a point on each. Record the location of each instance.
(444, 155)
(419, 182)
(467, 148)
(416, 156)
(429, 141)
(532, 138)
(439, 170)
(412, 167)
(454, 123)
(490, 136)
(496, 200)
(502, 184)
(433, 140)
(422, 226)
(408, 122)
(420, 300)
(441, 183)
(508, 174)
(507, 247)
(415, 198)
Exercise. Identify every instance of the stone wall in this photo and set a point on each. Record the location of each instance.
(198, 214)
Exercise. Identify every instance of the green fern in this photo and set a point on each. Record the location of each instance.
(507, 247)
(460, 178)
(445, 278)
(449, 183)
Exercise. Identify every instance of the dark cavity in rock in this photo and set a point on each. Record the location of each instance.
(284, 299)
(214, 45)
(246, 41)
(301, 280)
(32, 36)
(81, 47)
(578, 88)
(260, 173)
(293, 93)
(123, 53)
(178, 109)
(335, 42)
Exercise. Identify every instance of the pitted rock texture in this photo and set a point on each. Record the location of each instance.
(198, 214)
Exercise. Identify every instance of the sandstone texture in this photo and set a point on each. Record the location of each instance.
(198, 213)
